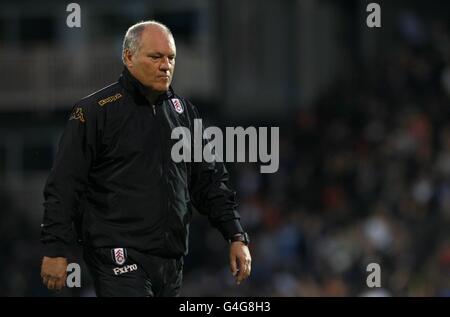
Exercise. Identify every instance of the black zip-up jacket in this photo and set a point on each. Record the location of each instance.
(114, 178)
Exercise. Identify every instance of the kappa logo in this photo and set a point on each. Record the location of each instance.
(77, 114)
(119, 255)
(125, 269)
(177, 105)
(109, 99)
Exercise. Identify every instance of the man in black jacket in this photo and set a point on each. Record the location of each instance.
(115, 187)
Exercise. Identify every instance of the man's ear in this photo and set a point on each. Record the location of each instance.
(127, 57)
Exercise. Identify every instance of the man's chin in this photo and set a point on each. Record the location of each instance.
(159, 89)
(162, 89)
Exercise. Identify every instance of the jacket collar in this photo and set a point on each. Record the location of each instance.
(138, 91)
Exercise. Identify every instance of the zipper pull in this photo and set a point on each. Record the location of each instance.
(154, 110)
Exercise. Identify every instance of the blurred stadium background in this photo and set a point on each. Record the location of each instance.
(364, 135)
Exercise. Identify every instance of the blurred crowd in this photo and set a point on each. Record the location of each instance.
(364, 178)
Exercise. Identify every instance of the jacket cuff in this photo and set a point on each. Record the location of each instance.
(55, 249)
(230, 228)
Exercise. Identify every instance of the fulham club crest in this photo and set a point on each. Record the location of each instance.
(177, 105)
(119, 255)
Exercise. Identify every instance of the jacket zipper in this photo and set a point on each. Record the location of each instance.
(166, 234)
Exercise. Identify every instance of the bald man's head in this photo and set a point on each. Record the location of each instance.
(149, 54)
(132, 37)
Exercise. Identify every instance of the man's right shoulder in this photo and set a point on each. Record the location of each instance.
(103, 97)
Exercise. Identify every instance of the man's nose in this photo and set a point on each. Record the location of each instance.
(165, 64)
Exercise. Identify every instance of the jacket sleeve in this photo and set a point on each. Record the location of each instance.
(212, 195)
(67, 180)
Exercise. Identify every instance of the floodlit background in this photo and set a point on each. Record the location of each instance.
(364, 135)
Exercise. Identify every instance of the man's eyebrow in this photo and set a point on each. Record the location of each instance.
(160, 54)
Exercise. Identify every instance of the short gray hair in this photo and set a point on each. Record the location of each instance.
(132, 38)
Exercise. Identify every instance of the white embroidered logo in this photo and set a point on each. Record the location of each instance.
(119, 255)
(177, 105)
(125, 269)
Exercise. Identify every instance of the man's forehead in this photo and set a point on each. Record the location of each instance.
(154, 34)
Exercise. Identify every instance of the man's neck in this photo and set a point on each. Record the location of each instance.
(151, 95)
